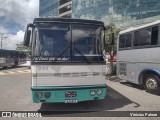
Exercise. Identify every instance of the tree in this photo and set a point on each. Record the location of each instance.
(21, 47)
(111, 46)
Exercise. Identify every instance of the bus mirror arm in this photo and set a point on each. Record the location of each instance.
(27, 35)
(27, 38)
(30, 25)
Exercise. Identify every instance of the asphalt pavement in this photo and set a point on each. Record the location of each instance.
(15, 95)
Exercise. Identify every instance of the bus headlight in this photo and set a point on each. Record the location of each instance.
(47, 94)
(39, 95)
(99, 92)
(92, 92)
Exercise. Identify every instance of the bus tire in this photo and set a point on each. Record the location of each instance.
(4, 67)
(15, 64)
(151, 84)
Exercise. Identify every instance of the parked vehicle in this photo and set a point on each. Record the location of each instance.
(138, 59)
(11, 58)
(66, 60)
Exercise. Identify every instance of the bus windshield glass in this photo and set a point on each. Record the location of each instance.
(72, 43)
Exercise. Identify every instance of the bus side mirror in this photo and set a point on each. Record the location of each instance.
(27, 34)
(27, 38)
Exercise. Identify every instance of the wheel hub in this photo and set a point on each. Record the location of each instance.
(151, 83)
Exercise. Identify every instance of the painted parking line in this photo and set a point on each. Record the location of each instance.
(28, 70)
(1, 73)
(5, 73)
(10, 72)
(19, 71)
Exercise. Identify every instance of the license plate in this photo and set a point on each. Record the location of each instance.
(70, 94)
(70, 101)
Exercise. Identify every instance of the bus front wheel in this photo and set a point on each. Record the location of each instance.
(151, 84)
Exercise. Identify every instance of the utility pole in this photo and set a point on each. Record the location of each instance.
(1, 40)
(2, 37)
(5, 40)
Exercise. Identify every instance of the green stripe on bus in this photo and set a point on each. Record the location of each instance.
(59, 95)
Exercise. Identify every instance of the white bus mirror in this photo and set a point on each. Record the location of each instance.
(28, 35)
(27, 38)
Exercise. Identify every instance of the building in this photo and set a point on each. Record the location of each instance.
(48, 7)
(65, 8)
(59, 8)
(123, 13)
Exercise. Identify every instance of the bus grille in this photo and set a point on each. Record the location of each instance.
(122, 69)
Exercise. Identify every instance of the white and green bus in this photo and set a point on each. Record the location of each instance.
(138, 57)
(66, 60)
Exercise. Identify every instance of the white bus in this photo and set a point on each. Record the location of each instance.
(11, 58)
(138, 56)
(66, 60)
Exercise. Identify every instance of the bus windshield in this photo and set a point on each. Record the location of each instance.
(68, 42)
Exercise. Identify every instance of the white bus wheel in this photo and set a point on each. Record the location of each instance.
(151, 84)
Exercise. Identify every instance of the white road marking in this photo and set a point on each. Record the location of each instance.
(1, 73)
(28, 70)
(14, 72)
(19, 71)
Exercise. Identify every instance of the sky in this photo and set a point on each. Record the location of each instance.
(14, 17)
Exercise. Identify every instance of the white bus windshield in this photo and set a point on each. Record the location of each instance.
(78, 43)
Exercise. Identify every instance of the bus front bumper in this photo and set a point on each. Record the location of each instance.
(68, 94)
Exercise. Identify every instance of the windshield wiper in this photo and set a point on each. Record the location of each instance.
(61, 53)
(82, 55)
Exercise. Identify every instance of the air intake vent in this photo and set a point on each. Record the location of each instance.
(122, 69)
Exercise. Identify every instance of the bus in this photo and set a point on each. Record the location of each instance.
(11, 58)
(66, 60)
(138, 59)
(22, 57)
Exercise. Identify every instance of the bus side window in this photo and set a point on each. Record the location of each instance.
(122, 41)
(142, 37)
(128, 40)
(154, 38)
(136, 38)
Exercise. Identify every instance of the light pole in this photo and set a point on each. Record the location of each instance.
(1, 40)
(5, 40)
(2, 37)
